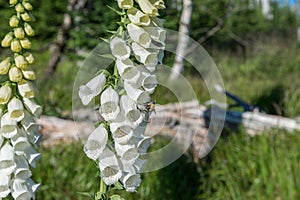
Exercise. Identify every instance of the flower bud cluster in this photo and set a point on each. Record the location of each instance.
(125, 106)
(18, 110)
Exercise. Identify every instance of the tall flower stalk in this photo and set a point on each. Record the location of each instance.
(118, 142)
(18, 111)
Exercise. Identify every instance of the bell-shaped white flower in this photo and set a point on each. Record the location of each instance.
(121, 130)
(25, 89)
(139, 35)
(93, 88)
(109, 108)
(149, 59)
(32, 155)
(15, 109)
(96, 143)
(127, 152)
(139, 131)
(138, 17)
(29, 123)
(143, 144)
(34, 138)
(109, 167)
(134, 168)
(131, 182)
(4, 185)
(148, 8)
(160, 4)
(5, 94)
(7, 163)
(20, 190)
(33, 107)
(34, 187)
(119, 48)
(157, 33)
(127, 70)
(20, 142)
(8, 126)
(147, 80)
(132, 114)
(22, 170)
(136, 94)
(125, 4)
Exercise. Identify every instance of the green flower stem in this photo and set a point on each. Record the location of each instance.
(103, 186)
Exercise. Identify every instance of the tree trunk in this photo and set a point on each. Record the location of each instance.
(183, 38)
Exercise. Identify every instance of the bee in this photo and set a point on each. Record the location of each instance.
(147, 107)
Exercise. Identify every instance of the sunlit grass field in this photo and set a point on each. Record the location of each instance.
(239, 167)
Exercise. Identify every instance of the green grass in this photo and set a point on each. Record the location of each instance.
(239, 167)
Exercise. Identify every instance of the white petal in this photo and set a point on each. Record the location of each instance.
(32, 106)
(109, 104)
(148, 8)
(34, 187)
(157, 33)
(26, 90)
(138, 17)
(137, 94)
(127, 152)
(15, 109)
(125, 4)
(8, 126)
(20, 143)
(144, 144)
(20, 190)
(109, 167)
(22, 170)
(7, 163)
(131, 182)
(149, 59)
(92, 88)
(96, 142)
(119, 48)
(140, 130)
(132, 114)
(4, 185)
(139, 35)
(121, 130)
(29, 123)
(127, 70)
(32, 155)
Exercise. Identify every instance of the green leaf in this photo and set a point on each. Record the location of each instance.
(87, 194)
(116, 11)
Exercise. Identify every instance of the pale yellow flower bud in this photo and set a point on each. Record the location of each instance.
(15, 46)
(5, 65)
(29, 30)
(19, 8)
(21, 62)
(19, 33)
(6, 42)
(25, 43)
(5, 94)
(14, 21)
(30, 59)
(27, 17)
(13, 2)
(15, 74)
(125, 4)
(29, 75)
(148, 8)
(27, 5)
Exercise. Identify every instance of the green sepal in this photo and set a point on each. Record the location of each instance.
(100, 196)
(117, 186)
(105, 40)
(116, 11)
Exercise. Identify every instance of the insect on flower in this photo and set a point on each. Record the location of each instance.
(147, 107)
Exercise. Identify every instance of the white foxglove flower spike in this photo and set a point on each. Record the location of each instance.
(109, 167)
(7, 163)
(15, 109)
(8, 126)
(131, 182)
(125, 4)
(139, 35)
(4, 185)
(20, 190)
(119, 48)
(96, 143)
(93, 88)
(136, 94)
(138, 17)
(22, 170)
(127, 70)
(33, 107)
(132, 114)
(149, 59)
(109, 108)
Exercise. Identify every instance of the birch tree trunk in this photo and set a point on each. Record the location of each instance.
(183, 38)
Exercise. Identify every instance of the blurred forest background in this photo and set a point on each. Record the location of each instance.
(257, 54)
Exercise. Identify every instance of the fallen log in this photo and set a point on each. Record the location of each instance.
(187, 121)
